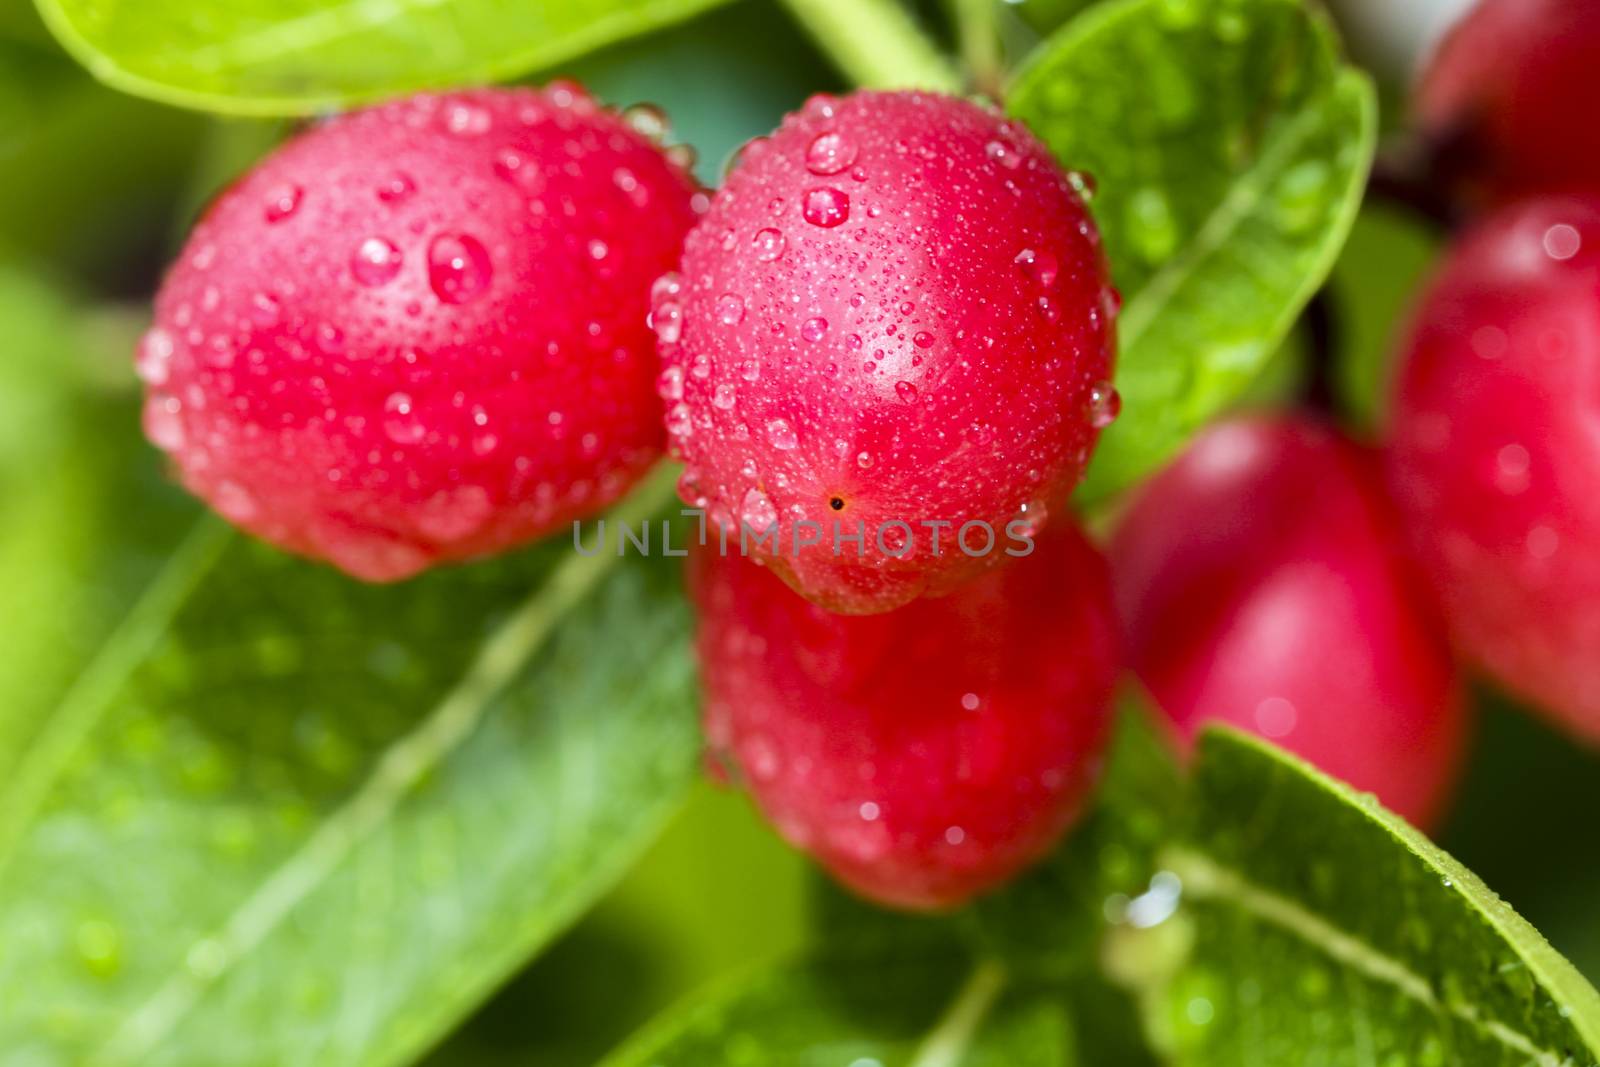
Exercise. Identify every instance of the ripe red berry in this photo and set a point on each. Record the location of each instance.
(895, 313)
(417, 333)
(926, 754)
(1495, 450)
(1512, 89)
(1262, 583)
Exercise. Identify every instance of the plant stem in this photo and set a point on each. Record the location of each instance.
(979, 35)
(948, 1042)
(876, 43)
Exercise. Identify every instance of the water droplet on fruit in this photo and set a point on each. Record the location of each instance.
(1083, 184)
(970, 701)
(153, 359)
(466, 119)
(730, 309)
(922, 339)
(484, 443)
(1562, 241)
(598, 249)
(814, 330)
(648, 121)
(826, 207)
(757, 511)
(665, 288)
(1030, 518)
(667, 321)
(376, 262)
(265, 309)
(283, 202)
(1004, 153)
(1276, 717)
(235, 502)
(679, 421)
(1105, 404)
(905, 391)
(724, 396)
(750, 370)
(670, 384)
(458, 267)
(829, 153)
(163, 422)
(768, 244)
(782, 435)
(400, 421)
(864, 460)
(1040, 267)
(396, 187)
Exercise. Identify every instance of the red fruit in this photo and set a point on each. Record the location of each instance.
(1513, 88)
(1495, 451)
(1261, 582)
(925, 754)
(417, 333)
(895, 312)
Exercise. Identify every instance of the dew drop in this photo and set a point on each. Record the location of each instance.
(1040, 267)
(782, 435)
(400, 421)
(826, 207)
(1030, 518)
(667, 321)
(283, 202)
(757, 511)
(679, 421)
(768, 244)
(466, 119)
(458, 268)
(1083, 184)
(1105, 404)
(724, 396)
(922, 339)
(864, 460)
(830, 153)
(163, 422)
(648, 121)
(670, 384)
(376, 262)
(265, 309)
(1004, 153)
(396, 187)
(905, 391)
(814, 330)
(153, 360)
(730, 309)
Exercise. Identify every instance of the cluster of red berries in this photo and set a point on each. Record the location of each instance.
(447, 326)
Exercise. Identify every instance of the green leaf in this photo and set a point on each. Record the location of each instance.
(1312, 921)
(1230, 148)
(283, 817)
(276, 57)
(882, 1010)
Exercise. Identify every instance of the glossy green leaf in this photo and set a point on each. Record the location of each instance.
(1230, 148)
(267, 57)
(1315, 924)
(283, 817)
(882, 1010)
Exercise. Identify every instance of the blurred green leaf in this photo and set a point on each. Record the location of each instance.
(88, 177)
(279, 57)
(1230, 148)
(882, 1010)
(1314, 921)
(283, 817)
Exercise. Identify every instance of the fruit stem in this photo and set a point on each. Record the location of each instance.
(947, 1043)
(979, 37)
(876, 43)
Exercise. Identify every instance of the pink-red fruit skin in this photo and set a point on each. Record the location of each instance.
(1512, 90)
(896, 311)
(926, 754)
(1262, 582)
(417, 333)
(1494, 451)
